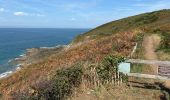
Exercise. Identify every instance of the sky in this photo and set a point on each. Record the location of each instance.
(71, 13)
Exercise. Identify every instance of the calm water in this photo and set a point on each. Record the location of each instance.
(14, 42)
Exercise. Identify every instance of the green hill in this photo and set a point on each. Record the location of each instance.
(147, 21)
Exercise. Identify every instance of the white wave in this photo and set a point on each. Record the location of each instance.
(18, 65)
(18, 68)
(10, 61)
(17, 58)
(58, 46)
(22, 55)
(5, 74)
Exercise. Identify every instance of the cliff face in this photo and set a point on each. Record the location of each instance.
(114, 38)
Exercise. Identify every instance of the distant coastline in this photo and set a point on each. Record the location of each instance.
(14, 51)
(22, 60)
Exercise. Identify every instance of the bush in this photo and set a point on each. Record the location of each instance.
(1, 95)
(139, 37)
(165, 42)
(64, 82)
(109, 67)
(124, 77)
(58, 88)
(157, 30)
(145, 19)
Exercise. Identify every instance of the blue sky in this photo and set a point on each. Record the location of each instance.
(72, 13)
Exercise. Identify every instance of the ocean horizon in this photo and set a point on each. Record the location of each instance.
(15, 41)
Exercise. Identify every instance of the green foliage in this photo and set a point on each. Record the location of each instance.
(109, 67)
(165, 42)
(146, 22)
(1, 95)
(73, 74)
(139, 51)
(157, 30)
(64, 81)
(61, 85)
(139, 37)
(124, 77)
(136, 68)
(146, 19)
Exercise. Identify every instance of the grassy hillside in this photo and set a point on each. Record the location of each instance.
(85, 62)
(147, 21)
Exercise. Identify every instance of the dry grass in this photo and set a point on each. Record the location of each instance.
(122, 92)
(92, 51)
(163, 56)
(92, 47)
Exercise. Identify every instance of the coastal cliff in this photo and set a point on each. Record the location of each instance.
(42, 66)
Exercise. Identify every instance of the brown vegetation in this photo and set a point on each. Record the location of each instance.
(92, 51)
(115, 38)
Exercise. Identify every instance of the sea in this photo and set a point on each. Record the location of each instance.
(15, 41)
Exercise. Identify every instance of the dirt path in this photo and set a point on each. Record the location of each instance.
(150, 44)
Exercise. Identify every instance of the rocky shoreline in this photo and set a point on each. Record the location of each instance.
(31, 56)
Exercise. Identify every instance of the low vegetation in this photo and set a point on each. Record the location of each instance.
(63, 83)
(145, 19)
(108, 69)
(141, 68)
(58, 76)
(58, 88)
(146, 22)
(165, 42)
(139, 49)
(136, 68)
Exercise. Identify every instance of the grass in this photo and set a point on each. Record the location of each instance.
(147, 22)
(163, 55)
(122, 92)
(114, 38)
(163, 51)
(141, 68)
(92, 51)
(59, 88)
(139, 53)
(136, 68)
(1, 95)
(165, 42)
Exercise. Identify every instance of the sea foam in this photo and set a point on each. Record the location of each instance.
(5, 74)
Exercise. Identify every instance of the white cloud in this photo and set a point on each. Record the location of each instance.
(20, 14)
(27, 14)
(2, 9)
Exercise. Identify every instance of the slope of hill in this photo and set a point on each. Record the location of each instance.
(46, 77)
(147, 22)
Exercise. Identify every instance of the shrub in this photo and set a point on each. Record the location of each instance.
(124, 77)
(145, 19)
(139, 37)
(109, 67)
(1, 95)
(58, 88)
(157, 30)
(64, 82)
(165, 42)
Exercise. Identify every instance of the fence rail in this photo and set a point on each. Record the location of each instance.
(154, 62)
